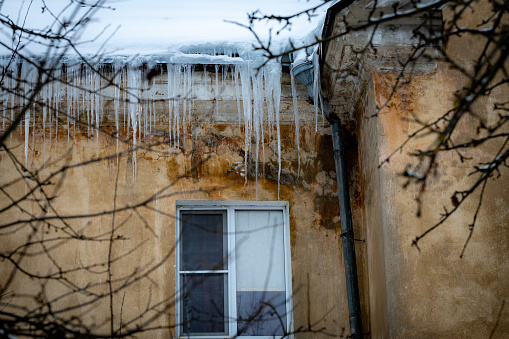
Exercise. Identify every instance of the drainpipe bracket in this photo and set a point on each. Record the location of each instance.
(332, 118)
(347, 233)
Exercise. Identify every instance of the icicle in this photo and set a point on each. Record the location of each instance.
(189, 93)
(128, 97)
(140, 95)
(150, 105)
(34, 110)
(184, 103)
(296, 116)
(125, 91)
(317, 95)
(258, 98)
(13, 96)
(237, 90)
(75, 104)
(72, 118)
(140, 110)
(7, 95)
(144, 109)
(50, 106)
(268, 98)
(170, 102)
(28, 75)
(223, 83)
(97, 85)
(176, 103)
(45, 92)
(21, 95)
(276, 91)
(193, 94)
(57, 93)
(116, 100)
(46, 99)
(206, 81)
(246, 100)
(101, 94)
(56, 103)
(134, 82)
(5, 99)
(154, 101)
(81, 94)
(69, 73)
(217, 88)
(27, 126)
(88, 100)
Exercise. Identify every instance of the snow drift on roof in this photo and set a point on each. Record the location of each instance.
(161, 30)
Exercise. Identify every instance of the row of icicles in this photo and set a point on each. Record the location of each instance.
(69, 93)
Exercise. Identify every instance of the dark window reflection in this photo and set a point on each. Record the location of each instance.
(202, 241)
(203, 305)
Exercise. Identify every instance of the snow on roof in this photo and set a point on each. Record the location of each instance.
(166, 31)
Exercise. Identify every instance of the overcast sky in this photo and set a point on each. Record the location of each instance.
(157, 27)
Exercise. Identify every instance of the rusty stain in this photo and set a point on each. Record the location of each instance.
(327, 208)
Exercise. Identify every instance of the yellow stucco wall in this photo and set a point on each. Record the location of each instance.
(432, 292)
(70, 274)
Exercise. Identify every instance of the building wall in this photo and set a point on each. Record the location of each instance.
(431, 292)
(93, 172)
(427, 292)
(374, 216)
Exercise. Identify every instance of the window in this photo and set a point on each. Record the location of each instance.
(233, 269)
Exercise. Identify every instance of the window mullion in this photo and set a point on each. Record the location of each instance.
(232, 288)
(178, 255)
(288, 271)
(204, 272)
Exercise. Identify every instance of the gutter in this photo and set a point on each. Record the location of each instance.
(302, 69)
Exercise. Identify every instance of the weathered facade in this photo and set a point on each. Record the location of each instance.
(89, 226)
(442, 288)
(93, 172)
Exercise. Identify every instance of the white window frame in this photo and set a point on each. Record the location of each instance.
(230, 207)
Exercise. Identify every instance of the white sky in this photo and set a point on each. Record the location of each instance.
(158, 27)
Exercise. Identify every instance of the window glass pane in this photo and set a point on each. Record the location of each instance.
(203, 237)
(260, 272)
(261, 312)
(203, 305)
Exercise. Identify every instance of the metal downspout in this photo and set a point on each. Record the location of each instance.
(345, 213)
(347, 236)
(304, 74)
